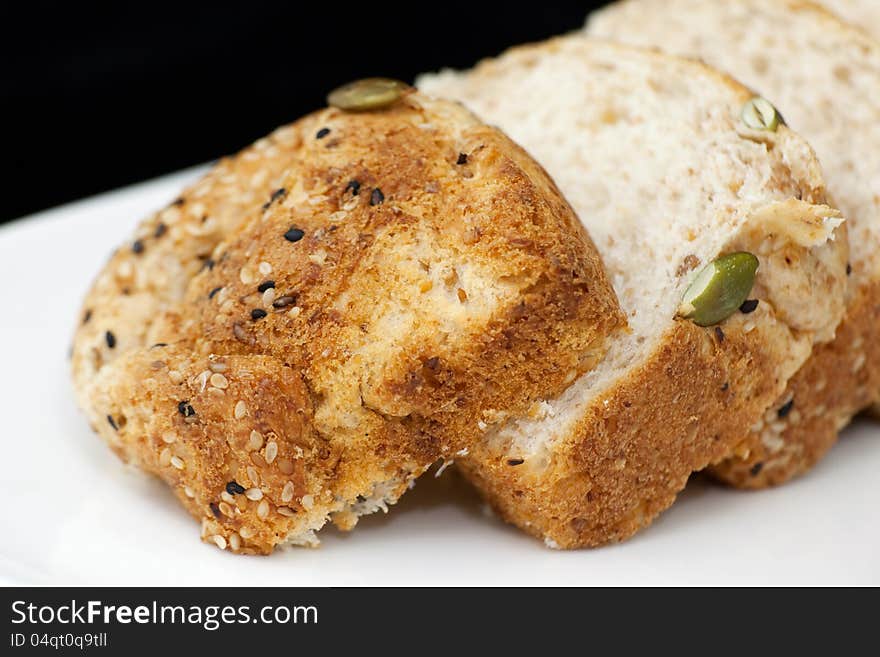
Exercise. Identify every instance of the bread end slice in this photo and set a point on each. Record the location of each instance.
(415, 268)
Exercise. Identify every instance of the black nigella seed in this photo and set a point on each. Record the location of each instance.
(281, 192)
(178, 201)
(110, 338)
(265, 285)
(161, 229)
(515, 461)
(185, 409)
(258, 313)
(719, 334)
(138, 247)
(112, 423)
(462, 158)
(353, 186)
(377, 197)
(848, 269)
(755, 470)
(748, 306)
(725, 387)
(159, 345)
(209, 264)
(323, 132)
(234, 488)
(213, 292)
(785, 409)
(294, 234)
(215, 509)
(283, 302)
(87, 316)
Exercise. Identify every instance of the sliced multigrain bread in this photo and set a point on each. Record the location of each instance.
(824, 75)
(652, 154)
(864, 14)
(412, 268)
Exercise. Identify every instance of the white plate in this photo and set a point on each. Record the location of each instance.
(74, 515)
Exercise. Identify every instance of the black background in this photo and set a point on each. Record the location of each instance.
(99, 95)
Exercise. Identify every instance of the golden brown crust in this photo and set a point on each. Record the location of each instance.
(840, 379)
(632, 450)
(415, 267)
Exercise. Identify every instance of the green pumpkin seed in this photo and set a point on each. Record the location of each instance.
(719, 289)
(367, 94)
(759, 114)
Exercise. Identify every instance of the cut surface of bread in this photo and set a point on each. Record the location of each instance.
(651, 152)
(412, 267)
(824, 75)
(864, 14)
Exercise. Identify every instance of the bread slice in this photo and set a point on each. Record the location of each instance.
(651, 152)
(413, 267)
(864, 14)
(824, 75)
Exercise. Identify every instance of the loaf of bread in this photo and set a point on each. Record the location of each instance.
(328, 313)
(653, 154)
(824, 75)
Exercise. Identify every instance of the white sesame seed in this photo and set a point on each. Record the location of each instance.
(234, 541)
(165, 457)
(269, 296)
(219, 381)
(258, 460)
(263, 510)
(177, 462)
(219, 541)
(308, 501)
(265, 268)
(225, 509)
(240, 410)
(287, 493)
(175, 376)
(259, 177)
(218, 366)
(124, 270)
(246, 276)
(859, 362)
(295, 311)
(253, 494)
(202, 380)
(271, 451)
(169, 438)
(253, 475)
(246, 532)
(188, 492)
(226, 497)
(286, 511)
(255, 441)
